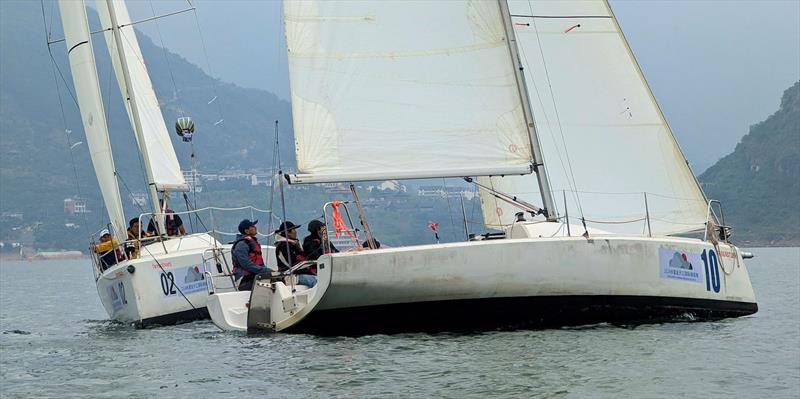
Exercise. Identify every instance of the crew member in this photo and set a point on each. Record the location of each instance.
(172, 223)
(317, 244)
(289, 253)
(134, 233)
(375, 243)
(107, 250)
(246, 255)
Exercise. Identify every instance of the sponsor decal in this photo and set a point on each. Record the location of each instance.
(679, 265)
(116, 292)
(187, 280)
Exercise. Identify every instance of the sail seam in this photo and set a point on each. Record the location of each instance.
(560, 16)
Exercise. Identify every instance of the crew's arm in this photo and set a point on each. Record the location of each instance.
(104, 247)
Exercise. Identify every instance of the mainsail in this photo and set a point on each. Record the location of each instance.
(399, 90)
(87, 91)
(604, 139)
(154, 143)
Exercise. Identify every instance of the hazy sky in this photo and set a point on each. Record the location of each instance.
(716, 67)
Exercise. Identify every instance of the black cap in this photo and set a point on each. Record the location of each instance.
(375, 242)
(287, 225)
(315, 225)
(246, 224)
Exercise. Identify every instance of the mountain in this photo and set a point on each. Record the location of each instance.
(38, 169)
(759, 182)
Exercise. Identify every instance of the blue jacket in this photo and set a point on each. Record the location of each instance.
(241, 255)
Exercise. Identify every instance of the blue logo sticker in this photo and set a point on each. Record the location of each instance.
(680, 265)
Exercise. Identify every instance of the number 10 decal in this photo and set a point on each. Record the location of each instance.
(712, 270)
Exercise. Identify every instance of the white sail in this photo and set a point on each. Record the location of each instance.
(399, 89)
(162, 162)
(605, 141)
(87, 91)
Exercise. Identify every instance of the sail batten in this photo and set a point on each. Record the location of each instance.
(605, 141)
(373, 95)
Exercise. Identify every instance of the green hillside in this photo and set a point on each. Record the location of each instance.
(759, 183)
(37, 167)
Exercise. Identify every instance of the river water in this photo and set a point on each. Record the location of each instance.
(56, 342)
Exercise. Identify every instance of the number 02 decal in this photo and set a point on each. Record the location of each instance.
(168, 283)
(712, 270)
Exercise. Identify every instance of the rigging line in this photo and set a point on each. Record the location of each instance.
(472, 208)
(272, 182)
(189, 206)
(496, 200)
(169, 65)
(128, 24)
(197, 214)
(208, 65)
(171, 277)
(52, 12)
(64, 119)
(119, 176)
(61, 74)
(546, 118)
(449, 209)
(555, 109)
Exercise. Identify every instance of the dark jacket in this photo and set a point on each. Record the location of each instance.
(314, 247)
(172, 223)
(283, 248)
(240, 254)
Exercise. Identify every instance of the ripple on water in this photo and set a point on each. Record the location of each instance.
(73, 350)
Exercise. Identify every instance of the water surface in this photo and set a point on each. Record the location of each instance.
(56, 342)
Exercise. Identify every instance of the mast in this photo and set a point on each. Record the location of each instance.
(87, 91)
(137, 124)
(538, 165)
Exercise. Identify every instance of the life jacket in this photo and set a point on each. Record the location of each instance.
(282, 250)
(254, 254)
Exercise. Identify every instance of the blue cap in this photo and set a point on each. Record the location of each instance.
(246, 224)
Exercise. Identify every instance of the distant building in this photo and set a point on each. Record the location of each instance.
(336, 188)
(260, 178)
(139, 199)
(446, 192)
(343, 243)
(75, 205)
(11, 217)
(193, 179)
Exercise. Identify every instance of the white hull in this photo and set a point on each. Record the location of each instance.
(147, 296)
(612, 277)
(228, 310)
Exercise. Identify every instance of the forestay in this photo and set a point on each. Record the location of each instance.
(87, 92)
(163, 164)
(399, 89)
(603, 136)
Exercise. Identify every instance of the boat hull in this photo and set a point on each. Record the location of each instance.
(511, 313)
(528, 283)
(167, 285)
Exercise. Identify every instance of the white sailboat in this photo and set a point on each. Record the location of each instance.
(168, 281)
(394, 90)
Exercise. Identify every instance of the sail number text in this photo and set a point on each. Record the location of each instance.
(712, 270)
